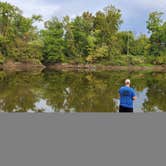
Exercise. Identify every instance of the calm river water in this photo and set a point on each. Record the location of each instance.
(79, 91)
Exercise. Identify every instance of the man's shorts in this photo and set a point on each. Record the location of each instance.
(125, 109)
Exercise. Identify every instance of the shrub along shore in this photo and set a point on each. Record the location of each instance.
(91, 40)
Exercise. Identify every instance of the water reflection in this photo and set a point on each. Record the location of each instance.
(57, 91)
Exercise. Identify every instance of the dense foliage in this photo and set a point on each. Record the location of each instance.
(18, 37)
(89, 38)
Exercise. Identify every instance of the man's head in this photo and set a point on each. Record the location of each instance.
(127, 82)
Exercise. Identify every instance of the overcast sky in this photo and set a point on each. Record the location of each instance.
(135, 12)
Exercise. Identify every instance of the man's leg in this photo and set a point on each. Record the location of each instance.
(129, 109)
(124, 109)
(121, 109)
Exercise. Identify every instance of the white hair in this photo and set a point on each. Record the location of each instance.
(127, 81)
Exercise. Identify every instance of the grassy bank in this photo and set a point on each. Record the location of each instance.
(122, 62)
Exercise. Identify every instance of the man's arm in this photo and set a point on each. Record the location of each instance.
(119, 93)
(134, 98)
(134, 95)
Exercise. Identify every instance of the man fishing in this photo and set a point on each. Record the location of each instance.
(127, 96)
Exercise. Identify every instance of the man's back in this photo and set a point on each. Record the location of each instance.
(126, 96)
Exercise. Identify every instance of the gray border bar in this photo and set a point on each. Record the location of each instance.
(82, 139)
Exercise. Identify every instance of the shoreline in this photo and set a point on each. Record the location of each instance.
(98, 67)
(19, 66)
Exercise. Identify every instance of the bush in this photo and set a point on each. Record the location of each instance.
(75, 60)
(30, 61)
(25, 51)
(2, 59)
(98, 54)
(121, 60)
(156, 60)
(124, 60)
(136, 60)
(160, 60)
(2, 75)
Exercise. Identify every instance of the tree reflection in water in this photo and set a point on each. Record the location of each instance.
(60, 91)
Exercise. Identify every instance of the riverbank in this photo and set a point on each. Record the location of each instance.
(29, 66)
(21, 66)
(104, 67)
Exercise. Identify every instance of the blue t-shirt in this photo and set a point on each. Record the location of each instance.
(126, 96)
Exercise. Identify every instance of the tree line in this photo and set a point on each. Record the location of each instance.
(89, 38)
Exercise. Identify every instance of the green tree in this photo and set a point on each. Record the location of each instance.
(125, 39)
(107, 23)
(140, 46)
(98, 54)
(17, 33)
(53, 38)
(70, 48)
(157, 28)
(82, 30)
(8, 15)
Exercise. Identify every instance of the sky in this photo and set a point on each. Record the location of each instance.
(134, 13)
